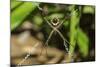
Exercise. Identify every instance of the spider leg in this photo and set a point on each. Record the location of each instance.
(48, 22)
(39, 8)
(63, 36)
(46, 43)
(56, 30)
(49, 37)
(61, 23)
(45, 19)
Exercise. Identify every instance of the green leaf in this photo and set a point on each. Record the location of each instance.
(83, 42)
(74, 21)
(20, 13)
(14, 4)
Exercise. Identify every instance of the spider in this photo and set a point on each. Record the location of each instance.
(55, 24)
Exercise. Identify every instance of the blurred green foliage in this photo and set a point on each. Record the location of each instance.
(21, 10)
(14, 4)
(83, 41)
(74, 21)
(88, 9)
(20, 13)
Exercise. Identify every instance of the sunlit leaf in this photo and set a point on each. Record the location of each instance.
(20, 13)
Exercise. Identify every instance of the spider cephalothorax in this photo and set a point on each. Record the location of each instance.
(55, 21)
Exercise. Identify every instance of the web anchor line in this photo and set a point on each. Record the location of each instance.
(27, 56)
